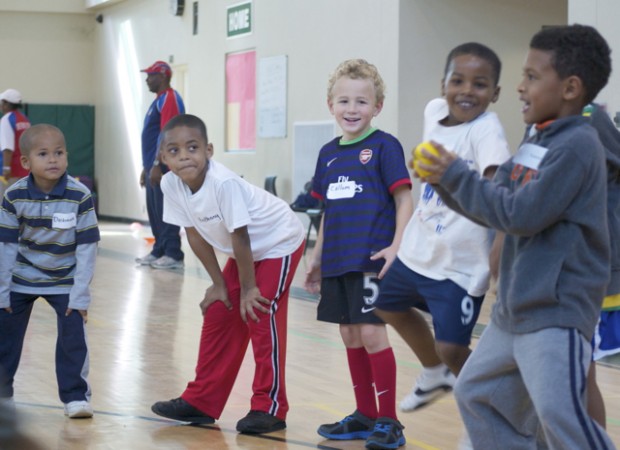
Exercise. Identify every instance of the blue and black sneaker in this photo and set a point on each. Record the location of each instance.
(388, 434)
(354, 426)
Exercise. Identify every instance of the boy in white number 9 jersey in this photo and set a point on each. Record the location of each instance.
(443, 262)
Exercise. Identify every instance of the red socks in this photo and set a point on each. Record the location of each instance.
(383, 365)
(361, 376)
(379, 367)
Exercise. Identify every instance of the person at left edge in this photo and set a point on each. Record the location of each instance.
(12, 125)
(48, 249)
(166, 252)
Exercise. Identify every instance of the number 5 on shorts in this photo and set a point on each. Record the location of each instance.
(370, 283)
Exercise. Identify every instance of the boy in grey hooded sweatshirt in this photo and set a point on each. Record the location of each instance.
(550, 199)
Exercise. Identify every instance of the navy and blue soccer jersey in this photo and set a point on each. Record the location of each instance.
(48, 228)
(356, 181)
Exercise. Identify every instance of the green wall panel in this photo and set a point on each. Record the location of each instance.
(77, 122)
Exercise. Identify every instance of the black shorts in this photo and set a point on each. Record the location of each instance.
(349, 298)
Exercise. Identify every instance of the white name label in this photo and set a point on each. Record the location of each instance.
(64, 221)
(343, 189)
(530, 155)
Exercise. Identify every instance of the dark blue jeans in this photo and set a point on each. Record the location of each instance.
(72, 364)
(167, 238)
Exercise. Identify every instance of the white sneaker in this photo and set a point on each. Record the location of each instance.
(428, 388)
(146, 260)
(78, 409)
(166, 262)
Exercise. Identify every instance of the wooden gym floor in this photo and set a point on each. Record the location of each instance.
(143, 330)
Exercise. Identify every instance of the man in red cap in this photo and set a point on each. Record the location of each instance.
(12, 125)
(166, 252)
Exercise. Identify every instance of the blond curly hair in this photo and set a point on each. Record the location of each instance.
(358, 69)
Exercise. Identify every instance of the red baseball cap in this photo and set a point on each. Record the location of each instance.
(159, 67)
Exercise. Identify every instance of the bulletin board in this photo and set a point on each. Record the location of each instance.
(241, 101)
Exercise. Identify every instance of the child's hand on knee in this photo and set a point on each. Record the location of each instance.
(83, 313)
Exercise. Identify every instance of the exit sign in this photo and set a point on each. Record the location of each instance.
(239, 19)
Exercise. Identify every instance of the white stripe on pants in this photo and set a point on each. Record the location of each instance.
(512, 384)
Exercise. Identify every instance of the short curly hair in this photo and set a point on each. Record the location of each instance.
(577, 50)
(358, 69)
(479, 50)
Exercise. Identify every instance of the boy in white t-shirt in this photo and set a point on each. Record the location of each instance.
(442, 265)
(221, 211)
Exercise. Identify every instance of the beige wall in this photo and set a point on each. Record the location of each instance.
(315, 36)
(430, 29)
(603, 14)
(43, 6)
(133, 35)
(66, 57)
(407, 40)
(48, 57)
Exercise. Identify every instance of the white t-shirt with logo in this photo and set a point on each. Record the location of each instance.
(226, 202)
(439, 243)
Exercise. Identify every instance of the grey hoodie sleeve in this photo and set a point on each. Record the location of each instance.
(533, 206)
(454, 205)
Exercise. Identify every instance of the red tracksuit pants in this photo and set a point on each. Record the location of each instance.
(225, 338)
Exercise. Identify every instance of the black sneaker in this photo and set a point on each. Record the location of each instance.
(388, 434)
(258, 422)
(179, 409)
(354, 426)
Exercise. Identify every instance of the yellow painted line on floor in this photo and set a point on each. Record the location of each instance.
(419, 444)
(329, 409)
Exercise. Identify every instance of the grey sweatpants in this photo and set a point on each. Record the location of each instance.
(512, 384)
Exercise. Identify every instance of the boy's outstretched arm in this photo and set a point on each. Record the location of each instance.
(312, 283)
(537, 203)
(439, 163)
(251, 297)
(498, 241)
(205, 253)
(404, 209)
(437, 167)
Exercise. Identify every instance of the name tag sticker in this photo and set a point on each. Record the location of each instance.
(64, 221)
(343, 189)
(530, 155)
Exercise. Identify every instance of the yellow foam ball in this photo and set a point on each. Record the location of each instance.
(418, 157)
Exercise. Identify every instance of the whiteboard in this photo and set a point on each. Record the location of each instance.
(272, 77)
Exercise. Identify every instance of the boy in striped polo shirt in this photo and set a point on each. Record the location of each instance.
(48, 243)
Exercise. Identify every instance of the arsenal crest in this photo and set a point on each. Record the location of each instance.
(365, 155)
